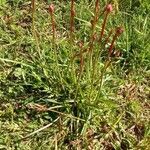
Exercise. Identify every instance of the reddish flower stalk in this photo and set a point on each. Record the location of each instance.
(96, 6)
(72, 14)
(33, 4)
(108, 37)
(81, 56)
(51, 11)
(93, 23)
(108, 9)
(110, 50)
(92, 39)
(96, 14)
(93, 36)
(118, 32)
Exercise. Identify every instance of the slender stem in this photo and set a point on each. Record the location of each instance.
(103, 27)
(93, 23)
(119, 30)
(81, 70)
(108, 9)
(73, 73)
(108, 38)
(97, 8)
(54, 33)
(33, 27)
(72, 27)
(107, 64)
(72, 14)
(91, 44)
(100, 40)
(51, 11)
(112, 45)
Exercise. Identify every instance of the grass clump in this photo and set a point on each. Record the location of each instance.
(74, 75)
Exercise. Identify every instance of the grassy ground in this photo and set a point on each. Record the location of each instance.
(60, 89)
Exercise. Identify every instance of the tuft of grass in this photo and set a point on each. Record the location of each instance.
(74, 77)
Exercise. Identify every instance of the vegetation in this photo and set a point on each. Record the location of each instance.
(74, 74)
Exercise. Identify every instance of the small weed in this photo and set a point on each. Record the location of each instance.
(74, 75)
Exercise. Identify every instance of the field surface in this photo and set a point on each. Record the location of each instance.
(74, 74)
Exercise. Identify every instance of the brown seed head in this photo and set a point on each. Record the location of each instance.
(80, 44)
(51, 8)
(119, 30)
(109, 8)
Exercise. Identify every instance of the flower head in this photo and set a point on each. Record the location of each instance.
(51, 8)
(119, 30)
(109, 8)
